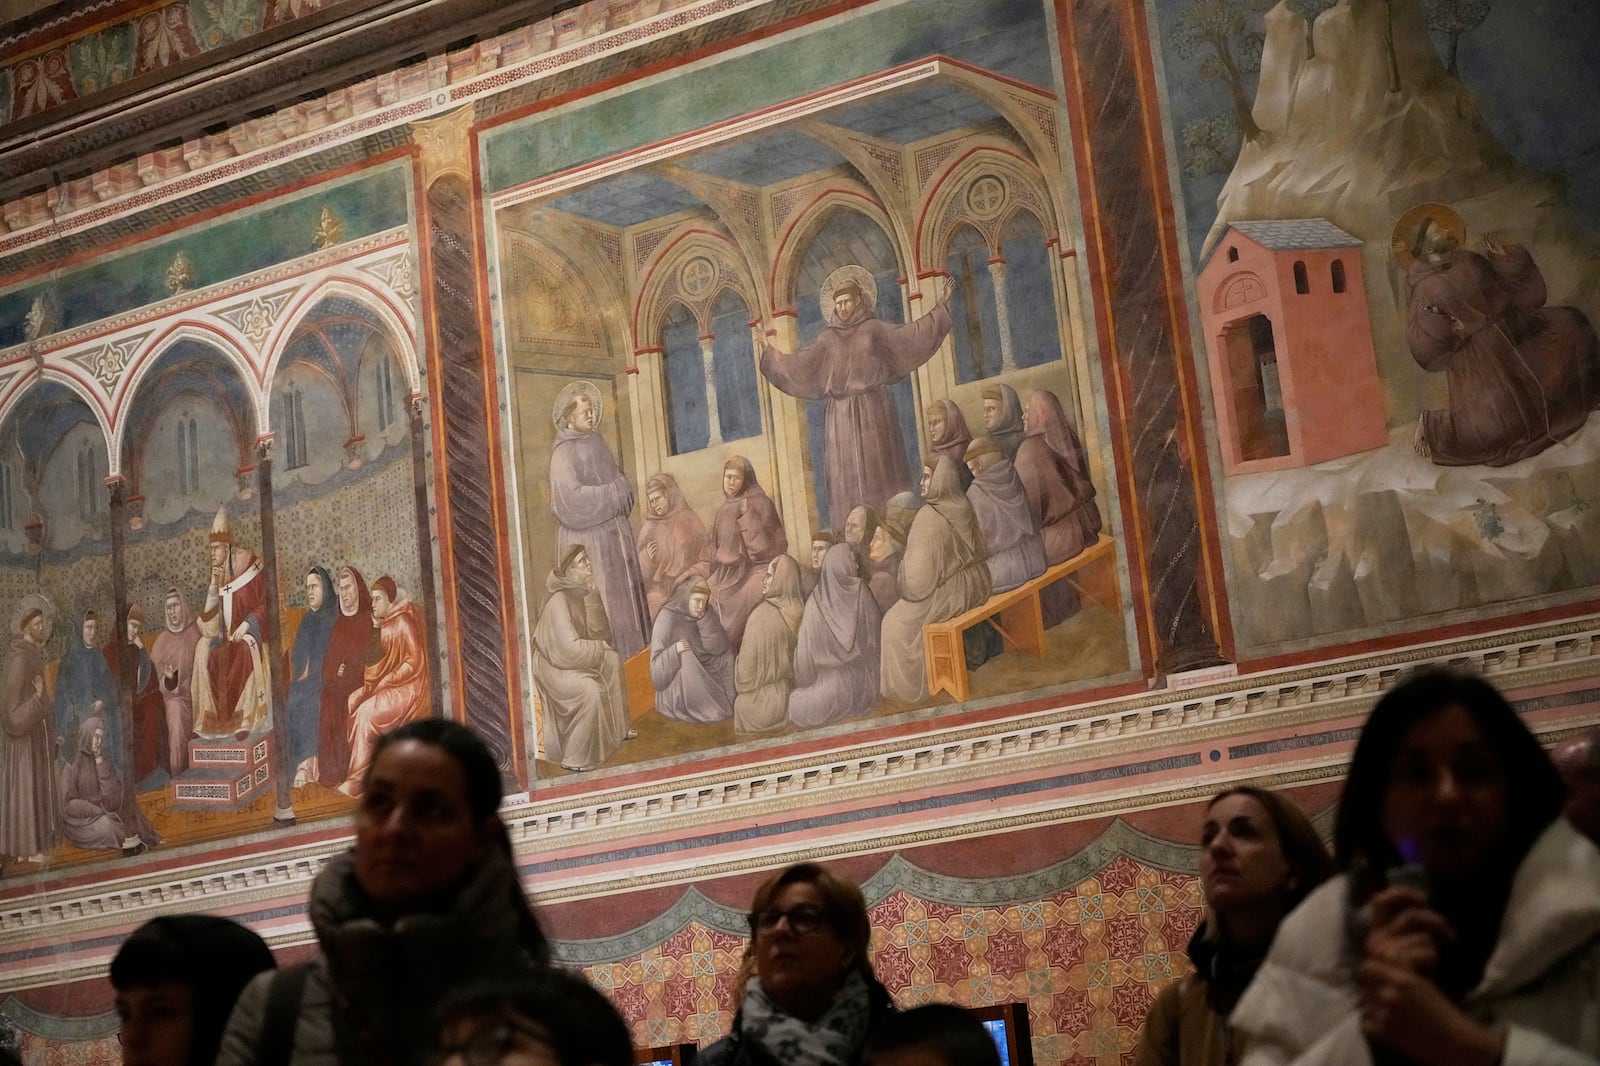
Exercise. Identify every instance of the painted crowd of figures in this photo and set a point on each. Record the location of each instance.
(736, 628)
(125, 717)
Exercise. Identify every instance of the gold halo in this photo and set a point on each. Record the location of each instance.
(564, 397)
(27, 605)
(853, 272)
(1405, 229)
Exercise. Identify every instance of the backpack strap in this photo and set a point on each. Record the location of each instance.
(275, 1040)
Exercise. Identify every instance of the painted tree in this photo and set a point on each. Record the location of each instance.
(1225, 33)
(1388, 44)
(1454, 18)
(1210, 145)
(1309, 10)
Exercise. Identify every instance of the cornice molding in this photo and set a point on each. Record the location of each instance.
(357, 43)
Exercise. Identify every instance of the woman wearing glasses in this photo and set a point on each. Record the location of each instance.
(809, 995)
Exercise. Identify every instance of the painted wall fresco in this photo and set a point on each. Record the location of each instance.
(209, 528)
(1441, 145)
(646, 306)
(734, 326)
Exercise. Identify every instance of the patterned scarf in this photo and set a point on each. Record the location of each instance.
(832, 1040)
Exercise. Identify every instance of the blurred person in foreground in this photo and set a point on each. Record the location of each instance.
(1465, 929)
(176, 980)
(427, 900)
(1259, 857)
(937, 1034)
(550, 1019)
(1577, 760)
(809, 996)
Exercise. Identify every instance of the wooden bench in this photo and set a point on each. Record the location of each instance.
(1015, 613)
(637, 686)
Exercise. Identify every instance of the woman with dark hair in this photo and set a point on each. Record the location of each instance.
(1259, 857)
(934, 1034)
(553, 1019)
(177, 978)
(809, 996)
(1466, 926)
(427, 899)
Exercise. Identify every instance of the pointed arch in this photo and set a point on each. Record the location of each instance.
(807, 222)
(949, 200)
(387, 307)
(663, 281)
(207, 334)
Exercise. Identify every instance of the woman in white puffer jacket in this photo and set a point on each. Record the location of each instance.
(1466, 927)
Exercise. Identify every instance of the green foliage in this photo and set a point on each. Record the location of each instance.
(1455, 16)
(1210, 145)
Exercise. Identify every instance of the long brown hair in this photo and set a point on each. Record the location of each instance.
(1302, 846)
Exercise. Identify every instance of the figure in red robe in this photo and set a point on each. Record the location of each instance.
(674, 544)
(139, 693)
(349, 651)
(394, 689)
(235, 694)
(851, 366)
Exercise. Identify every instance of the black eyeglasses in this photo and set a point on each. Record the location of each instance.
(487, 1045)
(803, 920)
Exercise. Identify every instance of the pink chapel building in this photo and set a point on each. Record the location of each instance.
(1283, 303)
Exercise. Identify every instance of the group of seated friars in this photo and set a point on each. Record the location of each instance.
(740, 630)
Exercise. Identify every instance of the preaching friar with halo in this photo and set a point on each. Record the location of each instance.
(851, 366)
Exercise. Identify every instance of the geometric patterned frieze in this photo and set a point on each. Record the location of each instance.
(256, 316)
(106, 362)
(395, 271)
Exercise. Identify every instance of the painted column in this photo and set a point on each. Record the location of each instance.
(480, 596)
(1169, 520)
(116, 494)
(282, 771)
(709, 365)
(791, 455)
(416, 407)
(1002, 310)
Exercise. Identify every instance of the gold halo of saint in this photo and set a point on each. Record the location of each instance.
(1409, 227)
(32, 603)
(566, 395)
(863, 280)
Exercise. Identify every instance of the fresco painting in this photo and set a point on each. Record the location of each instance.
(752, 348)
(775, 427)
(1403, 129)
(207, 633)
(808, 361)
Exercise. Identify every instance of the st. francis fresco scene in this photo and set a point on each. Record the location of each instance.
(1393, 220)
(803, 427)
(803, 413)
